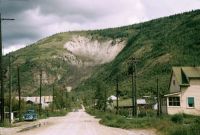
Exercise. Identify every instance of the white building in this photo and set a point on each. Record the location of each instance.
(184, 96)
(112, 97)
(45, 100)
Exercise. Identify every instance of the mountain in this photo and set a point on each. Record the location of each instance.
(64, 59)
(82, 59)
(159, 45)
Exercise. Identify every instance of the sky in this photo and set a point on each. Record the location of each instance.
(36, 19)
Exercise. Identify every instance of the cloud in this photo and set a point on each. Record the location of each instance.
(12, 48)
(36, 19)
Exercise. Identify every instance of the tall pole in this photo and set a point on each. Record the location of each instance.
(105, 99)
(117, 94)
(134, 85)
(1, 76)
(158, 97)
(133, 97)
(40, 105)
(135, 89)
(10, 89)
(19, 92)
(1, 72)
(53, 98)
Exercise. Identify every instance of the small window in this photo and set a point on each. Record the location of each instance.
(174, 101)
(190, 101)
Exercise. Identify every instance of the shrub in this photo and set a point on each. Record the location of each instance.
(193, 129)
(197, 120)
(142, 114)
(177, 118)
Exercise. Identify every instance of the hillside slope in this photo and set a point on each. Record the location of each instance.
(65, 59)
(158, 44)
(82, 59)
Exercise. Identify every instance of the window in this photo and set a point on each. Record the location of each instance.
(174, 101)
(174, 82)
(190, 101)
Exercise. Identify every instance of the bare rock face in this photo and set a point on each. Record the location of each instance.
(82, 51)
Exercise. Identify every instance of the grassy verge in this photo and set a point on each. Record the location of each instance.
(180, 124)
(56, 113)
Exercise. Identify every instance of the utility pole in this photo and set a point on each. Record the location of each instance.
(40, 105)
(117, 94)
(158, 97)
(10, 90)
(133, 97)
(1, 72)
(53, 98)
(105, 99)
(134, 61)
(19, 92)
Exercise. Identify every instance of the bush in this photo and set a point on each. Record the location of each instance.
(177, 118)
(124, 112)
(193, 129)
(142, 114)
(6, 123)
(197, 120)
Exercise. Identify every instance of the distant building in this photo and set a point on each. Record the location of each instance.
(184, 96)
(45, 100)
(69, 89)
(112, 97)
(127, 103)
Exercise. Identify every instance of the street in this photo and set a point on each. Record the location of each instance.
(80, 123)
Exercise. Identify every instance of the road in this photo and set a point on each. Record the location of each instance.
(80, 123)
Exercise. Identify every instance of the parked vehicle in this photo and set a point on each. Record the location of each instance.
(30, 115)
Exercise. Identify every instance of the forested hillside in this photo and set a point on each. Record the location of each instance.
(158, 44)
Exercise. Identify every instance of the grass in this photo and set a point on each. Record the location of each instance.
(6, 124)
(55, 113)
(164, 125)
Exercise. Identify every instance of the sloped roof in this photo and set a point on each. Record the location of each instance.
(112, 97)
(183, 74)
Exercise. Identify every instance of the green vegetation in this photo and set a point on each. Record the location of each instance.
(63, 103)
(165, 125)
(159, 45)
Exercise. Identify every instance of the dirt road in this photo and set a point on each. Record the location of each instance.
(80, 123)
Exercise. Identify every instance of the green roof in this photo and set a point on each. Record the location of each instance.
(128, 102)
(183, 74)
(124, 102)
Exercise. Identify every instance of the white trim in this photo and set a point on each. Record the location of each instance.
(171, 94)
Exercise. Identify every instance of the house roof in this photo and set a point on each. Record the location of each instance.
(112, 97)
(183, 74)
